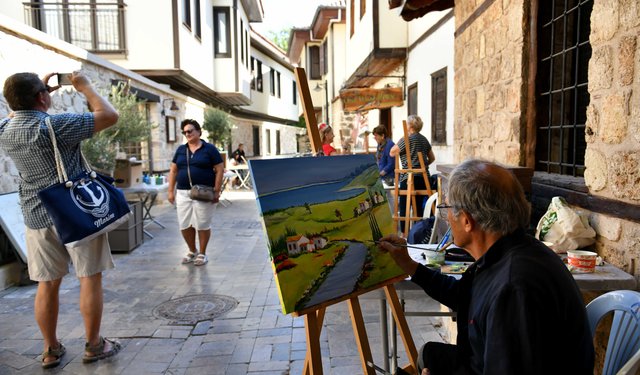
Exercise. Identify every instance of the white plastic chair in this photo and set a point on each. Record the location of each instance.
(623, 349)
(427, 214)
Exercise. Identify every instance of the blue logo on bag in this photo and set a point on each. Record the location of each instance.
(91, 197)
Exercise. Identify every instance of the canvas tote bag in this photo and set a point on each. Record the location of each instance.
(198, 192)
(83, 207)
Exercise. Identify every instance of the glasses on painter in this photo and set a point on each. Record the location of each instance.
(443, 209)
(185, 132)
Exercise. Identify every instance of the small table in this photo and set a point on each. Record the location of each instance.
(226, 179)
(605, 277)
(147, 194)
(244, 181)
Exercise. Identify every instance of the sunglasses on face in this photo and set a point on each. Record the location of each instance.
(185, 132)
(46, 88)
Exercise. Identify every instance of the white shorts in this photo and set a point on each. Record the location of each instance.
(48, 259)
(192, 213)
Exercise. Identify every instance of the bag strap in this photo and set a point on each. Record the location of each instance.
(62, 173)
(188, 169)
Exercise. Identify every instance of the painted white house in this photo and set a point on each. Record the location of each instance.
(297, 244)
(319, 241)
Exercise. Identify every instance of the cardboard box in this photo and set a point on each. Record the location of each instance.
(130, 173)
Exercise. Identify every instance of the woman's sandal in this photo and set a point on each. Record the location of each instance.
(203, 259)
(58, 353)
(191, 257)
(99, 350)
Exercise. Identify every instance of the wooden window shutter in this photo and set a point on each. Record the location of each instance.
(322, 62)
(439, 107)
(314, 62)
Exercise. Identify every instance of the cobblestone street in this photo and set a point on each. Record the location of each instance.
(252, 338)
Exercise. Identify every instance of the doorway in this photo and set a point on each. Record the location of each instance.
(256, 140)
(385, 119)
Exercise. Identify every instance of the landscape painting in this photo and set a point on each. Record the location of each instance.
(321, 216)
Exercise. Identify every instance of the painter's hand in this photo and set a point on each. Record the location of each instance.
(399, 254)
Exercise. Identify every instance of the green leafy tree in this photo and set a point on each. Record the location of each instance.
(132, 126)
(219, 126)
(280, 38)
(307, 206)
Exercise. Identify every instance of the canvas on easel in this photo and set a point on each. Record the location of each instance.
(321, 217)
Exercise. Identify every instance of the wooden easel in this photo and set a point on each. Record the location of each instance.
(314, 316)
(410, 192)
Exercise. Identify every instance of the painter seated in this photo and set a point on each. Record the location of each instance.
(326, 137)
(519, 309)
(238, 158)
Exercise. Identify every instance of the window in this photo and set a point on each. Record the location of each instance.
(277, 142)
(221, 32)
(97, 28)
(259, 75)
(363, 8)
(324, 60)
(267, 141)
(352, 9)
(256, 140)
(246, 40)
(564, 51)
(272, 82)
(186, 13)
(412, 100)
(253, 73)
(295, 93)
(242, 42)
(197, 19)
(438, 107)
(278, 84)
(314, 62)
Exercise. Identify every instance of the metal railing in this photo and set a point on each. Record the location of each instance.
(97, 27)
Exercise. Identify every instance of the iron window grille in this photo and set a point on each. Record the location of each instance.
(95, 26)
(564, 51)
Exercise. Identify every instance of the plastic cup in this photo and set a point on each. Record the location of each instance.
(582, 261)
(434, 257)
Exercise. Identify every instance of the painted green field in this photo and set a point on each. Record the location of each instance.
(293, 282)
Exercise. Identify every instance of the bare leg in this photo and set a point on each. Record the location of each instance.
(46, 309)
(189, 236)
(91, 308)
(204, 236)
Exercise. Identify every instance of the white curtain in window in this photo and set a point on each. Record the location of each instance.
(222, 32)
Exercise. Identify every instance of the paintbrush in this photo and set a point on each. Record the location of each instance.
(400, 245)
(444, 239)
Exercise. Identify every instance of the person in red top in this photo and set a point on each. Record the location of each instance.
(326, 137)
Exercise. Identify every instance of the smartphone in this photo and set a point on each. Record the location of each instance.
(63, 80)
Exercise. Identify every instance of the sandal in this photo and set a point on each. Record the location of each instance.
(99, 350)
(58, 353)
(189, 258)
(203, 259)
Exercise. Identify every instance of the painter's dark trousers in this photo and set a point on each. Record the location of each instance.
(440, 359)
(418, 184)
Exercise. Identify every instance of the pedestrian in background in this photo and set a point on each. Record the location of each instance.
(204, 163)
(24, 136)
(417, 143)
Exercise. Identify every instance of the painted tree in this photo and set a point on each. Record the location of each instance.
(338, 214)
(355, 212)
(375, 229)
(307, 206)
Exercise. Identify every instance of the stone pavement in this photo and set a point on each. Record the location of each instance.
(253, 338)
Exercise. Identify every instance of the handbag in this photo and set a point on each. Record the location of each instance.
(199, 192)
(84, 207)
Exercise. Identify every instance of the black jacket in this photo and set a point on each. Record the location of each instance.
(519, 311)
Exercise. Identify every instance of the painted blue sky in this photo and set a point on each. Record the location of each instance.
(275, 174)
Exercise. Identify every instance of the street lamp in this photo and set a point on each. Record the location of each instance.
(174, 106)
(319, 87)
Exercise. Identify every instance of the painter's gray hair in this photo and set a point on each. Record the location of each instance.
(498, 206)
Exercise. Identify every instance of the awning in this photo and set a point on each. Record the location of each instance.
(367, 99)
(412, 9)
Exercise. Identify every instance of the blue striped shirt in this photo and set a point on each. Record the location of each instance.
(25, 138)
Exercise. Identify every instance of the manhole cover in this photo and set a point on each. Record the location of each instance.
(192, 309)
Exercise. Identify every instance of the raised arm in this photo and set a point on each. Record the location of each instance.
(104, 113)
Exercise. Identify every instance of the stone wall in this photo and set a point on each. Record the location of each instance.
(22, 53)
(489, 85)
(613, 126)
